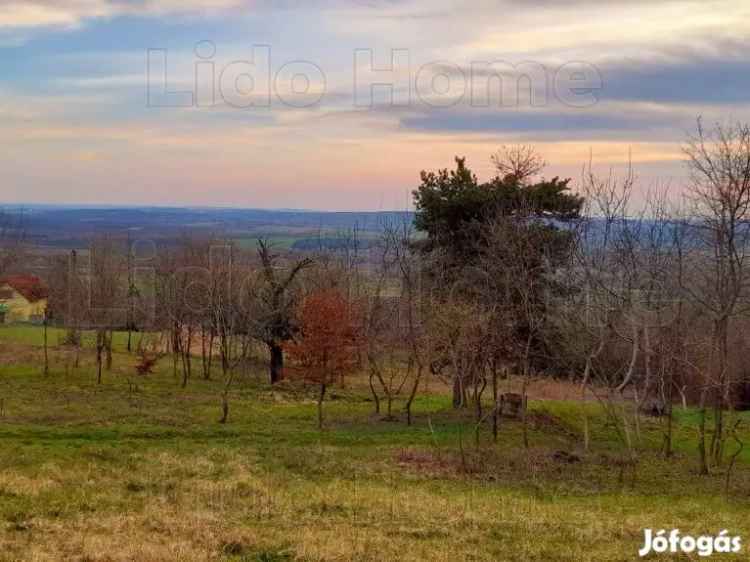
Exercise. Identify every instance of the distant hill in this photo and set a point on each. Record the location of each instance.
(72, 227)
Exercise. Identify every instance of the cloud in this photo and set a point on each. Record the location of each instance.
(720, 75)
(27, 14)
(77, 93)
(552, 122)
(72, 13)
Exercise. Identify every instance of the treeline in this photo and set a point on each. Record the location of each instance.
(641, 300)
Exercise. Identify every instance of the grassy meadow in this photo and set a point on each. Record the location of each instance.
(138, 468)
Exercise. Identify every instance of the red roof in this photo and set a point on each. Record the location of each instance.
(29, 286)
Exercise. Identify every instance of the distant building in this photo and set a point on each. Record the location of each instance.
(23, 298)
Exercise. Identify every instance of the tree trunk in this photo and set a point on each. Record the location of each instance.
(524, 392)
(277, 362)
(186, 364)
(321, 397)
(228, 380)
(668, 434)
(206, 352)
(717, 440)
(46, 353)
(524, 417)
(496, 411)
(668, 400)
(375, 396)
(458, 392)
(175, 347)
(478, 394)
(108, 349)
(224, 408)
(723, 380)
(413, 394)
(203, 352)
(702, 436)
(185, 373)
(225, 350)
(99, 350)
(210, 354)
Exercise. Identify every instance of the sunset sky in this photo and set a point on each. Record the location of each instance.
(76, 124)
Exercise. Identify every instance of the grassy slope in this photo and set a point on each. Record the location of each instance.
(115, 472)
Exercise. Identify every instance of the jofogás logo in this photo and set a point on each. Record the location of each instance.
(674, 543)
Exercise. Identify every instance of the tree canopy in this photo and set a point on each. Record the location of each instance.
(451, 204)
(497, 244)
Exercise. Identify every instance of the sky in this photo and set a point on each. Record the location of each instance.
(339, 104)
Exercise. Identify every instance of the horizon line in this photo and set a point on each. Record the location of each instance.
(95, 206)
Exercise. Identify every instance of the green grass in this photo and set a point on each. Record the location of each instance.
(32, 335)
(139, 469)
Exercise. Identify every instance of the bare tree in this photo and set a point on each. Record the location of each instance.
(622, 298)
(275, 302)
(228, 318)
(396, 344)
(132, 295)
(719, 162)
(521, 162)
(173, 279)
(104, 297)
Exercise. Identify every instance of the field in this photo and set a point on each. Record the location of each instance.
(58, 229)
(139, 469)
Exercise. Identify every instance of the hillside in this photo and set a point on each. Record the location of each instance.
(138, 468)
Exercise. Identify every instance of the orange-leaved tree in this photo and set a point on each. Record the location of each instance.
(326, 347)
